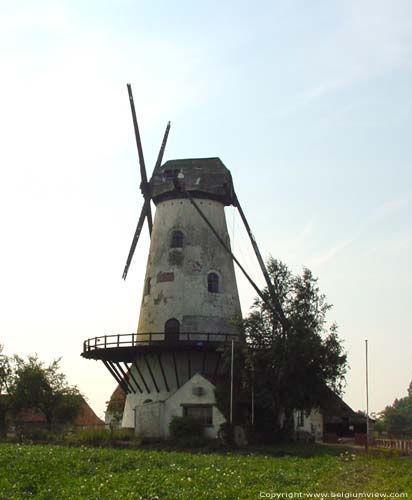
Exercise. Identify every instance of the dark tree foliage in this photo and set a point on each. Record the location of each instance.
(115, 407)
(287, 366)
(397, 418)
(34, 385)
(5, 379)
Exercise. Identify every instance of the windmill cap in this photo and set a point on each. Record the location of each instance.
(203, 178)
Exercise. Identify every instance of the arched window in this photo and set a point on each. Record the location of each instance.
(172, 330)
(213, 283)
(177, 239)
(172, 326)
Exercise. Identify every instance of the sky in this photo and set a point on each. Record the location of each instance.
(307, 103)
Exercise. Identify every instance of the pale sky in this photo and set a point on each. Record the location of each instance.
(307, 103)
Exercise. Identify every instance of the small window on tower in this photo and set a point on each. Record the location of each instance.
(177, 239)
(213, 283)
(172, 330)
(148, 286)
(171, 174)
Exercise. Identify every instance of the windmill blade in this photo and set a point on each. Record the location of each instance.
(144, 186)
(163, 145)
(143, 215)
(272, 292)
(146, 207)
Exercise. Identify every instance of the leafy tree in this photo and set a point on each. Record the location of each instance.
(288, 365)
(115, 409)
(6, 371)
(44, 388)
(397, 419)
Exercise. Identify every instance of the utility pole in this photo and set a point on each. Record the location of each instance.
(231, 382)
(253, 392)
(367, 397)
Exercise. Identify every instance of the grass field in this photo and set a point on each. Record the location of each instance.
(55, 472)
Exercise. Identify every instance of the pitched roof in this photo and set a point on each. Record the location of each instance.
(86, 416)
(118, 393)
(333, 408)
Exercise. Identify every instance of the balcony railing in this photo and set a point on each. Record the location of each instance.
(145, 339)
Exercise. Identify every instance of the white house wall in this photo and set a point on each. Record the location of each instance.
(312, 423)
(197, 362)
(149, 420)
(184, 396)
(153, 419)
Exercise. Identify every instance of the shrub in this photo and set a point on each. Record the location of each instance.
(227, 433)
(93, 436)
(185, 427)
(124, 435)
(191, 442)
(39, 435)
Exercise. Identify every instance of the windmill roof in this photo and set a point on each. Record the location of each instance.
(203, 177)
(211, 162)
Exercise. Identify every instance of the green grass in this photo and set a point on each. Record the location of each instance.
(55, 472)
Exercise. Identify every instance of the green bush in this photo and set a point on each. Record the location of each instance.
(41, 435)
(227, 433)
(124, 435)
(192, 442)
(185, 427)
(93, 436)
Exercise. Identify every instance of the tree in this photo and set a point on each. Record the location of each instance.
(6, 372)
(289, 365)
(115, 409)
(397, 418)
(34, 385)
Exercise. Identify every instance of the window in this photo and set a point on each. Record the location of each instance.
(172, 330)
(177, 239)
(172, 326)
(213, 283)
(148, 286)
(201, 413)
(171, 174)
(301, 417)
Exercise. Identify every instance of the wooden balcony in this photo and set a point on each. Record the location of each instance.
(126, 347)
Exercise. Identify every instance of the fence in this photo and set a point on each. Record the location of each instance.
(404, 445)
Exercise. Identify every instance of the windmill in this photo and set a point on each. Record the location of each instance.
(171, 365)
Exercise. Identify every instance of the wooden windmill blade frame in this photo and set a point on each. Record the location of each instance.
(146, 211)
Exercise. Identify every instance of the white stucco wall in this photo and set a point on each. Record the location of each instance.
(153, 419)
(184, 295)
(149, 419)
(197, 362)
(174, 405)
(312, 423)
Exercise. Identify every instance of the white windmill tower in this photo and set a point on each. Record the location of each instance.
(190, 299)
